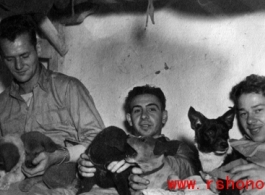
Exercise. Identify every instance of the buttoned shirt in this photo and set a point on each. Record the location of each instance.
(61, 108)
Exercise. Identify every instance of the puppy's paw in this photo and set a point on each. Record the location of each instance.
(25, 185)
(173, 177)
(4, 184)
(28, 183)
(2, 174)
(172, 182)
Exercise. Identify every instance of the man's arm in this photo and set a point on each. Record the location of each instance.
(86, 121)
(85, 116)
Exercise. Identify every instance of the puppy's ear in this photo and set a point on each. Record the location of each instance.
(117, 138)
(49, 144)
(9, 156)
(196, 118)
(228, 117)
(119, 144)
(166, 148)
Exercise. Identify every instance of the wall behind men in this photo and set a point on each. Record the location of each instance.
(194, 60)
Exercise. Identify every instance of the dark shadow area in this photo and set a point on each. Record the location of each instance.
(191, 7)
(74, 12)
(5, 76)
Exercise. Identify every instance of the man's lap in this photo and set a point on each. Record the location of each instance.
(38, 189)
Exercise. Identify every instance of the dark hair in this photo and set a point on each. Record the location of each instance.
(14, 26)
(251, 84)
(141, 90)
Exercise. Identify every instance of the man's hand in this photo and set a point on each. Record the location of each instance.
(136, 182)
(85, 167)
(43, 161)
(250, 172)
(118, 166)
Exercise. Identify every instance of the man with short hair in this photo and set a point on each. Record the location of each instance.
(146, 113)
(38, 99)
(249, 99)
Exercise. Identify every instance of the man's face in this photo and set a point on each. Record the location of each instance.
(251, 112)
(146, 116)
(21, 58)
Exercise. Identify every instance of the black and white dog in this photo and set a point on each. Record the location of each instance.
(212, 141)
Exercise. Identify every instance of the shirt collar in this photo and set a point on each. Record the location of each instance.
(43, 82)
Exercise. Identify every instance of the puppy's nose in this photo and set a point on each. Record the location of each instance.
(224, 144)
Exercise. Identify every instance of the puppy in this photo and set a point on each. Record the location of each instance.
(108, 146)
(212, 141)
(150, 157)
(12, 156)
(35, 143)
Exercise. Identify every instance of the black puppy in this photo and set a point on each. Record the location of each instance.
(109, 145)
(12, 156)
(212, 141)
(60, 175)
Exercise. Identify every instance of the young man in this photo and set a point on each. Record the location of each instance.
(146, 113)
(41, 100)
(249, 99)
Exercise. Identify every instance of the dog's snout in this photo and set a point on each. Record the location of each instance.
(224, 144)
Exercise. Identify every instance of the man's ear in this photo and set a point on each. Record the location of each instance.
(164, 116)
(129, 119)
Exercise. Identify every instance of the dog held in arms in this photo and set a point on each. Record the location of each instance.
(150, 157)
(12, 155)
(60, 175)
(108, 146)
(212, 142)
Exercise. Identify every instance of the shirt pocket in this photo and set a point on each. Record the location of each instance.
(53, 119)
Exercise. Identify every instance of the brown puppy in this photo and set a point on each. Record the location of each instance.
(12, 156)
(151, 158)
(35, 143)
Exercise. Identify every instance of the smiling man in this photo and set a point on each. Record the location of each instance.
(41, 100)
(146, 113)
(249, 99)
(145, 108)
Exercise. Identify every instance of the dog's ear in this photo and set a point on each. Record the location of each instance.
(116, 138)
(49, 144)
(228, 117)
(9, 156)
(119, 144)
(196, 118)
(166, 148)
